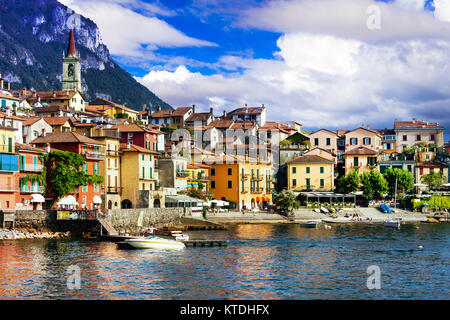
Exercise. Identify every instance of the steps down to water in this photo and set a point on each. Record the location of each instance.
(108, 227)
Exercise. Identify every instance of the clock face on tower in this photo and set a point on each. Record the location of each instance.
(71, 70)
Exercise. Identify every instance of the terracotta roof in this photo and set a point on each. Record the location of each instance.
(162, 114)
(5, 96)
(361, 151)
(53, 109)
(243, 125)
(30, 121)
(311, 159)
(198, 166)
(56, 121)
(199, 117)
(272, 125)
(430, 164)
(341, 132)
(103, 102)
(3, 115)
(65, 137)
(414, 124)
(25, 147)
(178, 112)
(56, 95)
(220, 124)
(246, 110)
(135, 148)
(132, 127)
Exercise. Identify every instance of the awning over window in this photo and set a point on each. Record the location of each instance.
(37, 198)
(97, 200)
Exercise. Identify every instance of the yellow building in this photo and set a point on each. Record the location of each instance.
(310, 173)
(361, 159)
(111, 109)
(247, 182)
(111, 165)
(199, 174)
(72, 99)
(138, 175)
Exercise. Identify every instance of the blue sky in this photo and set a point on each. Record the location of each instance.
(314, 61)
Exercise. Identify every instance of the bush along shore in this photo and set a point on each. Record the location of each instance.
(6, 234)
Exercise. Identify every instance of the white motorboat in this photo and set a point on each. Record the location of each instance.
(153, 242)
(393, 223)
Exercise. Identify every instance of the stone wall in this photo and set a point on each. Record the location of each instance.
(128, 219)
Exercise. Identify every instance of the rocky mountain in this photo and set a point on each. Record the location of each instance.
(33, 36)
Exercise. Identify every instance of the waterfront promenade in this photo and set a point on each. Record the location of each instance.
(303, 215)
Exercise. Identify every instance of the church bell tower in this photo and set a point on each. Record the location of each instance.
(71, 77)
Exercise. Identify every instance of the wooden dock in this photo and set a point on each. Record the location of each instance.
(190, 243)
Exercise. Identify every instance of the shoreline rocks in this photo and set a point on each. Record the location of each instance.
(6, 234)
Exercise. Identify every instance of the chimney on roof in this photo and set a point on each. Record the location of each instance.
(224, 113)
(47, 148)
(128, 145)
(414, 120)
(362, 125)
(193, 108)
(211, 111)
(2, 83)
(24, 92)
(368, 127)
(159, 108)
(8, 86)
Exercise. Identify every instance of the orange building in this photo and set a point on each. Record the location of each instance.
(88, 197)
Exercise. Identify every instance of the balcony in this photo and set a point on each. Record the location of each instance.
(114, 189)
(257, 178)
(91, 155)
(244, 177)
(112, 153)
(31, 167)
(257, 190)
(32, 189)
(9, 188)
(244, 191)
(182, 174)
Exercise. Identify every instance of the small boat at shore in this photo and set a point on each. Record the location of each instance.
(153, 242)
(176, 235)
(309, 224)
(392, 223)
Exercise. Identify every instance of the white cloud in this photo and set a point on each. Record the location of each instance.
(347, 18)
(442, 10)
(128, 33)
(374, 84)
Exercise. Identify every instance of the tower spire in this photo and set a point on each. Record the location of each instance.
(71, 50)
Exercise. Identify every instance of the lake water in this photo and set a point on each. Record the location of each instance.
(260, 262)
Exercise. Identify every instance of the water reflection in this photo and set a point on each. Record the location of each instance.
(261, 262)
